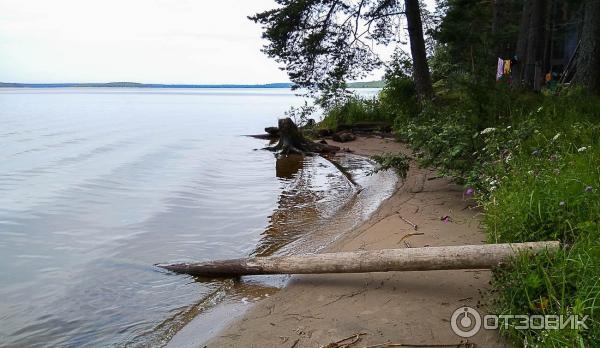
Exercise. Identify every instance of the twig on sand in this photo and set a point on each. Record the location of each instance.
(407, 221)
(410, 235)
(465, 344)
(346, 342)
(407, 244)
(295, 343)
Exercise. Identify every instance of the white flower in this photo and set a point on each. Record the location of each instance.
(540, 109)
(487, 130)
(581, 149)
(556, 137)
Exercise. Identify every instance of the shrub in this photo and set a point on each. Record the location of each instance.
(398, 162)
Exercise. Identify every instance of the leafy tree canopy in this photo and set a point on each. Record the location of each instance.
(324, 43)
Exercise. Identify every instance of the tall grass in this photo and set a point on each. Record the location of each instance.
(354, 110)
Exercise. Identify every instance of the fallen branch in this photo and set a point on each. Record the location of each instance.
(408, 222)
(410, 235)
(346, 342)
(484, 256)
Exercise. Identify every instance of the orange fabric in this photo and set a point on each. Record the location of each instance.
(507, 67)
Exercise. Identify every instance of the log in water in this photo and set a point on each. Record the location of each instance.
(411, 259)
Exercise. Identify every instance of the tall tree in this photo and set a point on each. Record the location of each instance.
(532, 74)
(323, 43)
(588, 61)
(421, 74)
(464, 34)
(521, 48)
(532, 44)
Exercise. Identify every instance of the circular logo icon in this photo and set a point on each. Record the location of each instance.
(465, 322)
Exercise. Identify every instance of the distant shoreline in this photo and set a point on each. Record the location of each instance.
(372, 84)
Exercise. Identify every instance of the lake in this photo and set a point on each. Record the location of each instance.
(99, 184)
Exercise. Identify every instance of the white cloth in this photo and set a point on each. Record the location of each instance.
(500, 70)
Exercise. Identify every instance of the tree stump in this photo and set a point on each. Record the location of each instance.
(292, 141)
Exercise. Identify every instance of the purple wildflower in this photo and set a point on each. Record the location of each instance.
(469, 192)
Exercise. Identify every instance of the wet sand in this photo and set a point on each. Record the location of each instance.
(397, 307)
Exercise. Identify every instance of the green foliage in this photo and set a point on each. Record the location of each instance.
(301, 115)
(325, 43)
(550, 187)
(398, 97)
(542, 178)
(533, 162)
(464, 32)
(397, 100)
(442, 141)
(398, 162)
(565, 283)
(353, 110)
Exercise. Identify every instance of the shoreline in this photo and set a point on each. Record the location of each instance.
(398, 307)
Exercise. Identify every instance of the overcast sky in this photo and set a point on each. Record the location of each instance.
(148, 41)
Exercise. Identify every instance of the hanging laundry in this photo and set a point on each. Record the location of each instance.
(507, 67)
(500, 70)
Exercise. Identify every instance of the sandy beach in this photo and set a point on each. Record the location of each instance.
(396, 307)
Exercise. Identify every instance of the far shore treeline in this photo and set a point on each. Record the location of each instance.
(368, 84)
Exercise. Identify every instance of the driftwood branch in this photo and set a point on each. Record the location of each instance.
(413, 259)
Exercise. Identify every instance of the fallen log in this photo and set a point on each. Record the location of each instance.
(484, 256)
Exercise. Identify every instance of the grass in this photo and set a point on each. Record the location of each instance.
(354, 110)
(550, 191)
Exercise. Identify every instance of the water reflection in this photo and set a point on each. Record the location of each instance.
(286, 167)
(312, 191)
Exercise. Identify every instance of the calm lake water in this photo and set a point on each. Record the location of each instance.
(98, 185)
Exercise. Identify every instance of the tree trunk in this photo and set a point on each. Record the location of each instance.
(417, 49)
(518, 70)
(291, 141)
(535, 45)
(588, 61)
(411, 259)
(501, 18)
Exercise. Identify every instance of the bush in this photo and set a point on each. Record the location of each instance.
(398, 162)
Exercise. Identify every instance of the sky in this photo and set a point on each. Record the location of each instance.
(146, 41)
